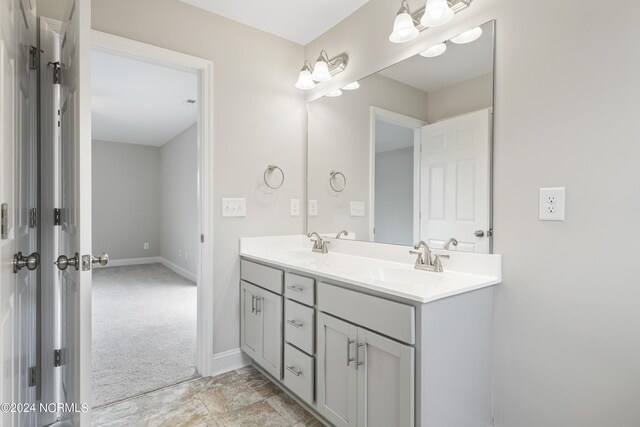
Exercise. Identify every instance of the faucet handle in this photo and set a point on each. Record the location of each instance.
(420, 259)
(437, 263)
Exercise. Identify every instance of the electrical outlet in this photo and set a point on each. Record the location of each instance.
(234, 207)
(179, 253)
(313, 208)
(146, 245)
(295, 207)
(552, 204)
(357, 209)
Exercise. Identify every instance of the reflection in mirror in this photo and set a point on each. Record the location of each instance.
(413, 145)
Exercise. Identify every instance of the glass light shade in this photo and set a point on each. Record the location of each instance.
(404, 29)
(304, 80)
(352, 86)
(436, 13)
(468, 36)
(321, 71)
(434, 51)
(334, 93)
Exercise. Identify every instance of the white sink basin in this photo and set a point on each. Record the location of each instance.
(403, 276)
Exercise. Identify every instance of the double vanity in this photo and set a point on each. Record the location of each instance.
(361, 337)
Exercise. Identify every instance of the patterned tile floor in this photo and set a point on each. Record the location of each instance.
(240, 398)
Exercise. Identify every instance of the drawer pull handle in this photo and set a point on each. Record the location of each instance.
(295, 288)
(295, 323)
(349, 358)
(358, 362)
(293, 371)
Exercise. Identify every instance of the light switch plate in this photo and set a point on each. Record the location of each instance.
(295, 207)
(313, 208)
(552, 204)
(234, 207)
(357, 208)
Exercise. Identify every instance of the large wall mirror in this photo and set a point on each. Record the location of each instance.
(406, 156)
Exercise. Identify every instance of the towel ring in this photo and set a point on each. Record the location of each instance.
(269, 170)
(333, 174)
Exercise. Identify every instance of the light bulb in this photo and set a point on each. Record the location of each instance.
(304, 79)
(404, 29)
(334, 93)
(436, 13)
(434, 51)
(468, 36)
(352, 86)
(321, 71)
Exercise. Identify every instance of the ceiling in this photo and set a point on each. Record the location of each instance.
(390, 136)
(459, 63)
(137, 102)
(299, 21)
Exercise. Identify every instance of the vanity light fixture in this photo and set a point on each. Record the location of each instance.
(305, 81)
(434, 51)
(468, 36)
(407, 25)
(334, 93)
(352, 86)
(323, 70)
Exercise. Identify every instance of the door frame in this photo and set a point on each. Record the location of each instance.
(204, 68)
(401, 120)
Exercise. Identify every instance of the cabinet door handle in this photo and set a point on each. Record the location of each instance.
(295, 323)
(358, 362)
(253, 303)
(293, 371)
(259, 304)
(295, 288)
(349, 358)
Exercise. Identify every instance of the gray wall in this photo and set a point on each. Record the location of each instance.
(179, 233)
(126, 199)
(566, 317)
(465, 97)
(259, 118)
(393, 216)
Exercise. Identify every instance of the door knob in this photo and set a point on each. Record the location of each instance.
(101, 260)
(479, 233)
(20, 261)
(63, 262)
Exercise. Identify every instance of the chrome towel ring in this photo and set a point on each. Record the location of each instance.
(270, 170)
(333, 174)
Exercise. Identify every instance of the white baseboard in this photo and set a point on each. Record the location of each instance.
(228, 361)
(177, 269)
(134, 261)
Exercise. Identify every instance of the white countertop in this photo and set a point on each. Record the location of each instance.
(384, 268)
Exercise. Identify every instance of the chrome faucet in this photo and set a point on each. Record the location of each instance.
(319, 245)
(449, 242)
(342, 233)
(424, 260)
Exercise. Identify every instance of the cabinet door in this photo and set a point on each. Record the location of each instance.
(337, 370)
(386, 391)
(269, 310)
(250, 328)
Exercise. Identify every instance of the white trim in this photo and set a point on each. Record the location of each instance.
(228, 361)
(406, 121)
(204, 68)
(134, 261)
(179, 270)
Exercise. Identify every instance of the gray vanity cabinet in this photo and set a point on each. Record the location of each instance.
(261, 327)
(364, 379)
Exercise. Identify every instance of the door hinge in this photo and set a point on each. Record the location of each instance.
(57, 216)
(33, 376)
(33, 56)
(202, 238)
(4, 221)
(57, 358)
(57, 72)
(33, 218)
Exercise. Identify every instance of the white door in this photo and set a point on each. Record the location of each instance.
(75, 205)
(337, 380)
(455, 182)
(386, 392)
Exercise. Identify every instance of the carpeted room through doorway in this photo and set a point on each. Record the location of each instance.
(144, 331)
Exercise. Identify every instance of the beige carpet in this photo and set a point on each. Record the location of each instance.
(144, 331)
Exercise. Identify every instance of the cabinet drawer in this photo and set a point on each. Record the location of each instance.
(389, 318)
(299, 373)
(299, 325)
(299, 288)
(267, 277)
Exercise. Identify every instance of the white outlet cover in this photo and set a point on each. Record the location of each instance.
(357, 209)
(295, 207)
(313, 208)
(552, 204)
(145, 245)
(234, 207)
